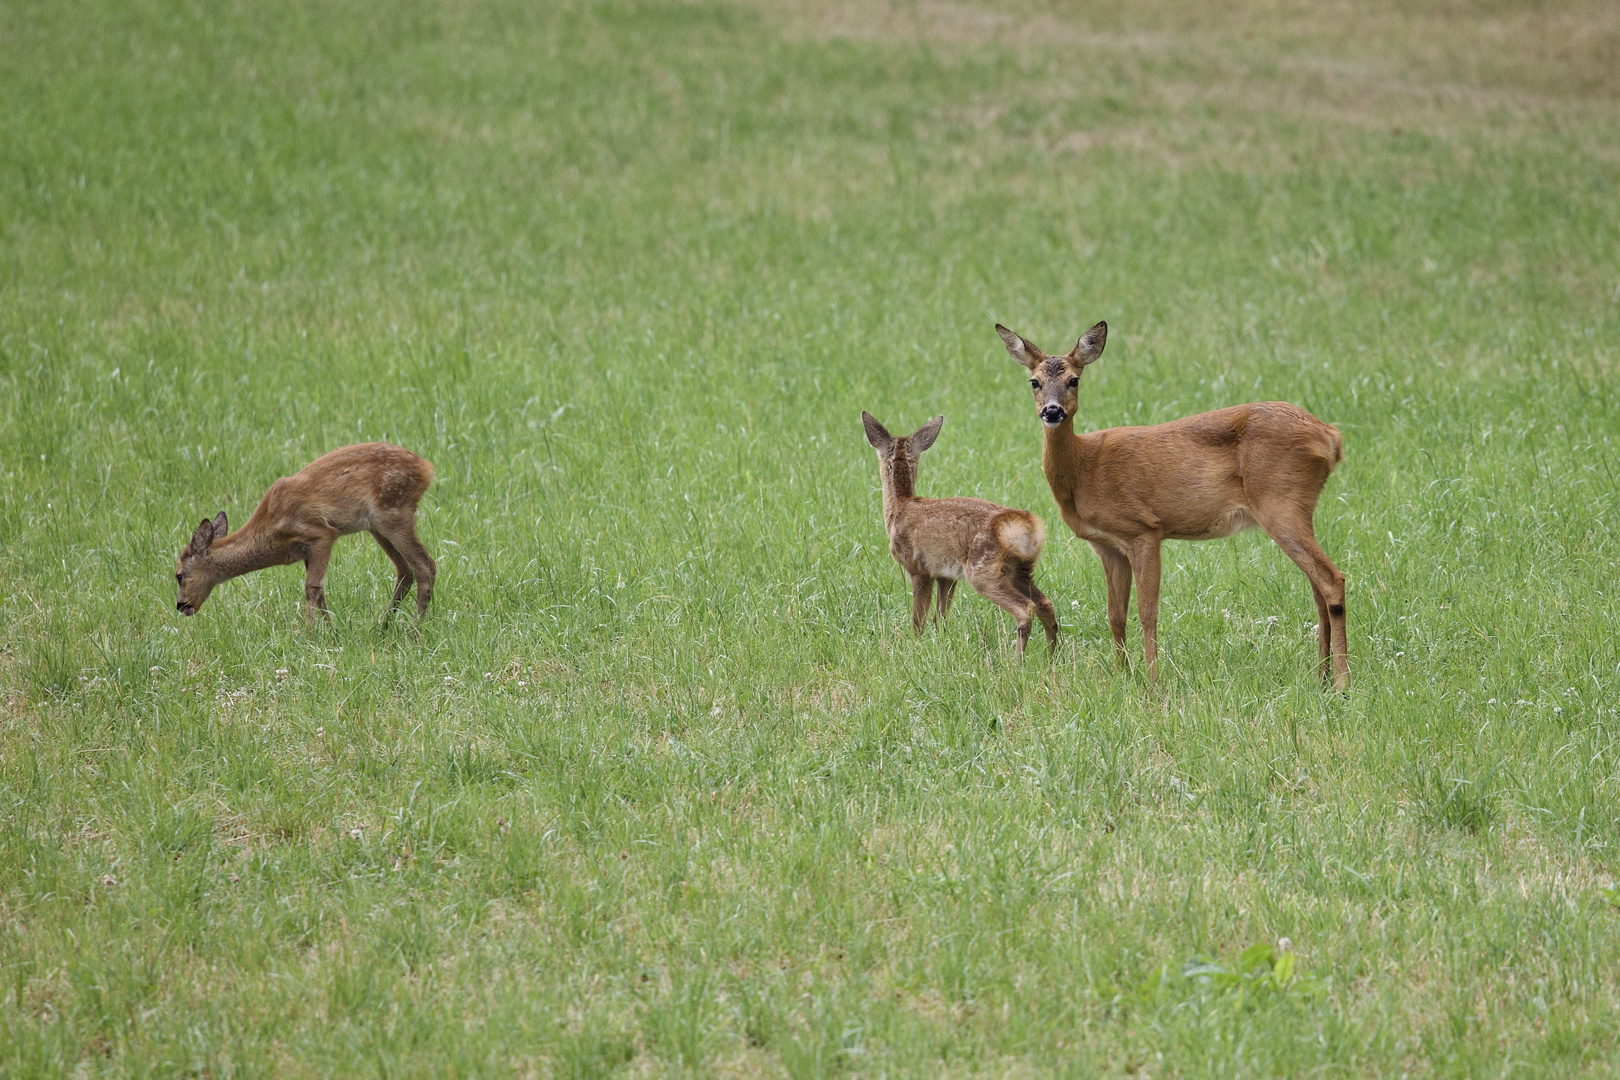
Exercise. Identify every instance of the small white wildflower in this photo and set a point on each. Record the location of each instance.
(109, 881)
(282, 673)
(357, 832)
(320, 731)
(1284, 945)
(1491, 702)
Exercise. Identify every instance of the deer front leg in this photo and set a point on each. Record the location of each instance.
(320, 553)
(922, 591)
(1117, 572)
(1145, 564)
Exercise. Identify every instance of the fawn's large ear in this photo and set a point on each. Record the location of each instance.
(221, 526)
(876, 433)
(1020, 348)
(201, 538)
(1090, 346)
(925, 436)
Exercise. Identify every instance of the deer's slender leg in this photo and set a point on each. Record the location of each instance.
(1145, 564)
(1117, 572)
(1047, 614)
(1293, 533)
(401, 532)
(922, 591)
(1327, 580)
(402, 571)
(996, 587)
(947, 590)
(320, 553)
(1324, 631)
(1024, 581)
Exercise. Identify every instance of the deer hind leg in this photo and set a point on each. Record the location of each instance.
(315, 563)
(402, 572)
(400, 531)
(1117, 572)
(922, 592)
(1024, 581)
(997, 587)
(947, 590)
(1324, 630)
(1145, 565)
(1294, 534)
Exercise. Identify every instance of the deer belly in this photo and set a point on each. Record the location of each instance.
(1230, 523)
(943, 567)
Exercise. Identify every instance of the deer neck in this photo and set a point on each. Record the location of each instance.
(899, 488)
(1060, 460)
(243, 552)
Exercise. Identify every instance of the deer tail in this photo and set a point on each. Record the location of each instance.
(1022, 534)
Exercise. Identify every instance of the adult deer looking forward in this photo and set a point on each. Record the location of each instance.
(1126, 490)
(372, 487)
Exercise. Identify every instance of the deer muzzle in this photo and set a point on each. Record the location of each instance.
(1053, 415)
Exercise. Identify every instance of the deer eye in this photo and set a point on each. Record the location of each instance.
(1035, 384)
(1074, 381)
(179, 579)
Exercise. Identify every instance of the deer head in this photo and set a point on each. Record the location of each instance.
(195, 573)
(897, 456)
(1055, 380)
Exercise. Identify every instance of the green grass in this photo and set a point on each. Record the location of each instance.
(665, 785)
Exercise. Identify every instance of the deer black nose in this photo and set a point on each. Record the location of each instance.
(1054, 415)
(180, 606)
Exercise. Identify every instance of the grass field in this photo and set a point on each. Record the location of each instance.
(665, 785)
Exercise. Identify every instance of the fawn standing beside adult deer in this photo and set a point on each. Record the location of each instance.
(943, 540)
(372, 487)
(1125, 490)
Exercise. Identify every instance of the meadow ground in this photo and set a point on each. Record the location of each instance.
(665, 785)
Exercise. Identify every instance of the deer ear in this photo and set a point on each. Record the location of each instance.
(1020, 348)
(221, 526)
(876, 433)
(201, 538)
(925, 436)
(1090, 346)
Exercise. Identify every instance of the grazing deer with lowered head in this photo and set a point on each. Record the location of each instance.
(1125, 490)
(373, 487)
(940, 541)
